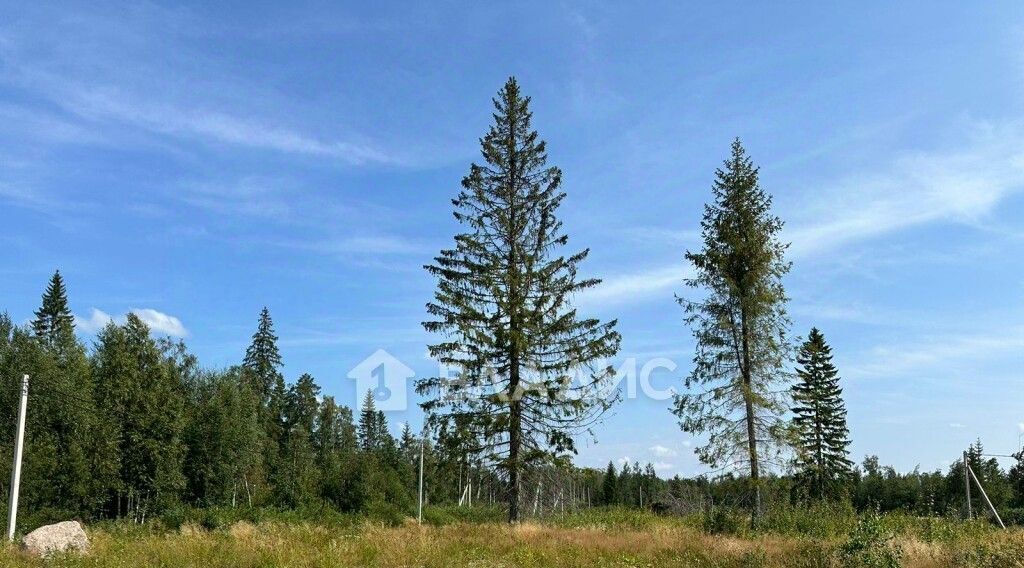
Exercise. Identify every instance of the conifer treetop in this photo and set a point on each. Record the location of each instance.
(54, 320)
(262, 357)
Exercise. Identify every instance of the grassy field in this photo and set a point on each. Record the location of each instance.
(610, 538)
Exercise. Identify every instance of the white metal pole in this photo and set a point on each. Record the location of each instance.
(419, 513)
(967, 486)
(985, 495)
(12, 511)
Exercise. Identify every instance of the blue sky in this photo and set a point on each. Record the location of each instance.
(199, 162)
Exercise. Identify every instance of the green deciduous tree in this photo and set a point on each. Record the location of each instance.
(822, 437)
(140, 391)
(337, 449)
(223, 436)
(740, 326)
(504, 307)
(301, 476)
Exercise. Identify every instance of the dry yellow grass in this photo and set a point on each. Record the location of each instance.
(479, 545)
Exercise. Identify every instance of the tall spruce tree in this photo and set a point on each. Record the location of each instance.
(822, 438)
(54, 322)
(262, 371)
(735, 393)
(504, 307)
(64, 416)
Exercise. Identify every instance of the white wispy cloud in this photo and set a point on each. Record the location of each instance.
(44, 125)
(663, 467)
(161, 322)
(662, 451)
(28, 197)
(97, 67)
(379, 244)
(97, 320)
(635, 286)
(937, 352)
(954, 186)
(157, 321)
(212, 125)
(356, 245)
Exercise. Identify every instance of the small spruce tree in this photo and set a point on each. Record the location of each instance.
(610, 486)
(262, 372)
(369, 424)
(822, 438)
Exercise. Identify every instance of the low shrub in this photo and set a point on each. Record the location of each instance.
(821, 520)
(725, 521)
(870, 545)
(387, 514)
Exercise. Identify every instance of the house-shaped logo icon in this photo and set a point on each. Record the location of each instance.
(386, 377)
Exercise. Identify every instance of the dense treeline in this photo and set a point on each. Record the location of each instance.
(135, 425)
(872, 487)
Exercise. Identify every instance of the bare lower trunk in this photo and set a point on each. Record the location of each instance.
(514, 439)
(755, 469)
(748, 399)
(514, 442)
(248, 494)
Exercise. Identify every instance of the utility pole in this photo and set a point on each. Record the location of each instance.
(985, 496)
(19, 442)
(419, 514)
(967, 485)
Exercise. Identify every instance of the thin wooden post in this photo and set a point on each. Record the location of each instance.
(419, 511)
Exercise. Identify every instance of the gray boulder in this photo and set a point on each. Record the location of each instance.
(68, 536)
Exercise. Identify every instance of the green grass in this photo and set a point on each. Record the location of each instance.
(451, 536)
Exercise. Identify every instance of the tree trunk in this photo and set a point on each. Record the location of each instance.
(514, 441)
(748, 400)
